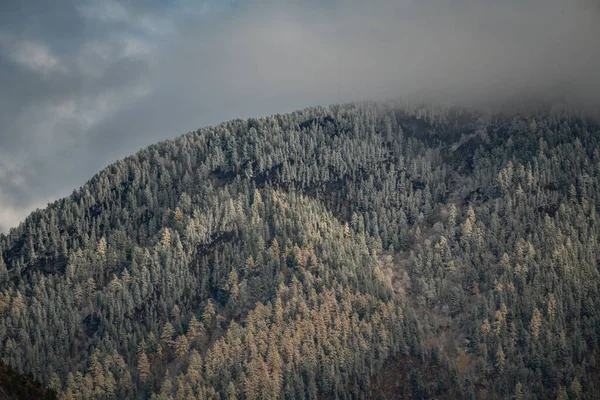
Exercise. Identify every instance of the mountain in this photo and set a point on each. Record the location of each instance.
(358, 251)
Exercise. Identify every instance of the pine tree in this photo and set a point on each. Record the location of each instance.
(55, 382)
(467, 229)
(562, 394)
(346, 230)
(178, 215)
(166, 336)
(181, 346)
(165, 239)
(194, 370)
(102, 246)
(195, 330)
(485, 327)
(536, 324)
(576, 388)
(3, 269)
(233, 288)
(519, 391)
(452, 215)
(114, 285)
(551, 306)
(354, 221)
(231, 391)
(209, 313)
(500, 359)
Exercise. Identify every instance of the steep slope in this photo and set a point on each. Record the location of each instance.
(327, 252)
(14, 386)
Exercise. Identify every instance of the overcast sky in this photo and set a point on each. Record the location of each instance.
(85, 83)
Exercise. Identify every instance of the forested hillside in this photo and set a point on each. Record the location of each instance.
(355, 251)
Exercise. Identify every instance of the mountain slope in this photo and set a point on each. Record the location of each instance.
(326, 252)
(16, 386)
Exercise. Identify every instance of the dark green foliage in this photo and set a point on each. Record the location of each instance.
(299, 255)
(16, 386)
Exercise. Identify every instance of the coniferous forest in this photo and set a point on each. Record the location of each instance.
(370, 250)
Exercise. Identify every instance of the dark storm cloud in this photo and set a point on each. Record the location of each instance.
(86, 83)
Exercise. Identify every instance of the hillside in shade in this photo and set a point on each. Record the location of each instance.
(15, 386)
(354, 251)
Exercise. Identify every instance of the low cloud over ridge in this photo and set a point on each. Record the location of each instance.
(86, 84)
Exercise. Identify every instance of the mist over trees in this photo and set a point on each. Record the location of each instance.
(349, 251)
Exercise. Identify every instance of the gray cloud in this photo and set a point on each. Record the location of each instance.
(87, 83)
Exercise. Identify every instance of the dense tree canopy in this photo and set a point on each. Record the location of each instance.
(322, 253)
